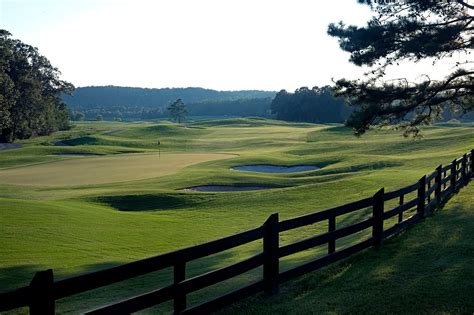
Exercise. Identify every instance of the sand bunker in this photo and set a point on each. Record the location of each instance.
(268, 168)
(60, 144)
(77, 154)
(225, 188)
(9, 146)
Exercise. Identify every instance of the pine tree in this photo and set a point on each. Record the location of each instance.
(178, 111)
(408, 31)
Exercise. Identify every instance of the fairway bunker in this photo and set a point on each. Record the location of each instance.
(225, 188)
(269, 168)
(9, 146)
(77, 154)
(60, 143)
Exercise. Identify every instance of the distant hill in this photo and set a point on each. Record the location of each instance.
(94, 96)
(127, 103)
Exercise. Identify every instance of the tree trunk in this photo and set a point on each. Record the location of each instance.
(6, 135)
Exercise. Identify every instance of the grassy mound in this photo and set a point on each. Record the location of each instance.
(248, 122)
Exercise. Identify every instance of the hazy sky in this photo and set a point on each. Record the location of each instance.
(218, 44)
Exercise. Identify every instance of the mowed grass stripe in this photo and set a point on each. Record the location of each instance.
(101, 170)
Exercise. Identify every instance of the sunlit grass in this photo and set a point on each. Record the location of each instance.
(70, 216)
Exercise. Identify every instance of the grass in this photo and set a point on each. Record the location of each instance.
(79, 214)
(104, 170)
(425, 270)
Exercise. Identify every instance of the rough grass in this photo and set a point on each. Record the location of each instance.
(85, 228)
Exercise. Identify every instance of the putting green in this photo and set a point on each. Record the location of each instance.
(102, 170)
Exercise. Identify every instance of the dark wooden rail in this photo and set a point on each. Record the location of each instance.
(431, 191)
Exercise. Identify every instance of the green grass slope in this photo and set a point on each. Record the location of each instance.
(99, 214)
(427, 269)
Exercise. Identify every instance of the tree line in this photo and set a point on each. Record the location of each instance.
(238, 107)
(107, 96)
(316, 105)
(30, 92)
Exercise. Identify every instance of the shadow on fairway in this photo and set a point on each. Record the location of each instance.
(153, 202)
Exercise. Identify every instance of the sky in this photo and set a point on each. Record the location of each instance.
(217, 44)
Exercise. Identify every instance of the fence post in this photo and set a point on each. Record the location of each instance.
(472, 163)
(331, 228)
(438, 184)
(428, 187)
(400, 203)
(377, 216)
(420, 209)
(42, 294)
(444, 176)
(270, 254)
(179, 275)
(453, 176)
(464, 168)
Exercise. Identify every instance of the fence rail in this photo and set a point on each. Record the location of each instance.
(431, 191)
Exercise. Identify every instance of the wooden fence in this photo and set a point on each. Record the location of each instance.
(431, 191)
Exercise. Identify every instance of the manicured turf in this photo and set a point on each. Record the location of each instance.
(79, 217)
(103, 170)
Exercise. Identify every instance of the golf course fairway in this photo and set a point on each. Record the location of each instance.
(108, 169)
